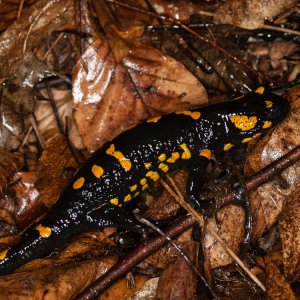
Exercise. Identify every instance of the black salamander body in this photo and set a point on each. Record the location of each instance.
(117, 172)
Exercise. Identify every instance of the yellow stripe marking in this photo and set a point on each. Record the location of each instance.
(154, 119)
(256, 135)
(173, 158)
(136, 194)
(206, 153)
(269, 104)
(228, 147)
(145, 187)
(186, 152)
(3, 254)
(147, 165)
(153, 175)
(194, 114)
(114, 201)
(78, 183)
(127, 198)
(44, 231)
(143, 181)
(267, 124)
(163, 167)
(133, 188)
(97, 171)
(124, 162)
(260, 90)
(162, 157)
(243, 122)
(246, 140)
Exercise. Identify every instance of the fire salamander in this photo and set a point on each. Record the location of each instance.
(120, 170)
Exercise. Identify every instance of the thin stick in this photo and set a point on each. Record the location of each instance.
(179, 198)
(20, 9)
(277, 28)
(53, 45)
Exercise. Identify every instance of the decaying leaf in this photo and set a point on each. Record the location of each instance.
(250, 14)
(112, 97)
(277, 286)
(231, 229)
(57, 282)
(290, 239)
(178, 280)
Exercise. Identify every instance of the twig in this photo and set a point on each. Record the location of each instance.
(53, 45)
(277, 28)
(20, 8)
(120, 269)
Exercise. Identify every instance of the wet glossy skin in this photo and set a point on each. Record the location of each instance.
(117, 172)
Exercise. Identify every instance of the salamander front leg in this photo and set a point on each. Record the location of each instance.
(194, 186)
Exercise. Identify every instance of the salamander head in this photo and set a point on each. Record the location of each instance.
(253, 114)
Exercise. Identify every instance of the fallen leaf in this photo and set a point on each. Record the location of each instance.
(250, 14)
(112, 97)
(63, 282)
(277, 286)
(178, 280)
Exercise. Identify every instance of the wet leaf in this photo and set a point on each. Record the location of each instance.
(64, 281)
(277, 286)
(250, 14)
(147, 291)
(112, 97)
(178, 280)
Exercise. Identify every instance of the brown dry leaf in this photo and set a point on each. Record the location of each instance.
(164, 206)
(121, 291)
(147, 291)
(112, 97)
(10, 163)
(290, 239)
(56, 165)
(63, 282)
(277, 286)
(178, 280)
(231, 230)
(269, 200)
(250, 14)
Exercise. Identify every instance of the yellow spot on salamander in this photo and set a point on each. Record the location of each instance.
(163, 167)
(194, 114)
(246, 140)
(173, 158)
(136, 194)
(97, 171)
(127, 198)
(78, 183)
(186, 152)
(114, 201)
(147, 165)
(124, 162)
(153, 175)
(206, 153)
(154, 119)
(260, 90)
(243, 122)
(162, 157)
(267, 124)
(269, 104)
(133, 188)
(256, 135)
(228, 147)
(143, 181)
(145, 187)
(44, 231)
(3, 254)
